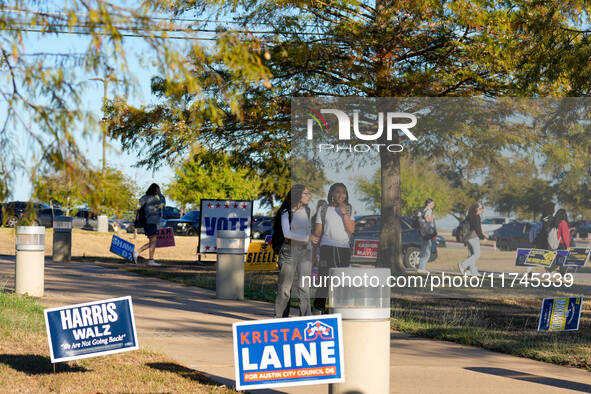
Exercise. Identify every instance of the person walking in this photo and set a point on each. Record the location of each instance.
(473, 240)
(153, 203)
(292, 236)
(564, 236)
(334, 226)
(427, 216)
(547, 221)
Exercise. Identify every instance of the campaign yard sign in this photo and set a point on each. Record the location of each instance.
(91, 329)
(577, 257)
(560, 314)
(165, 237)
(219, 215)
(366, 248)
(122, 248)
(540, 257)
(288, 352)
(260, 257)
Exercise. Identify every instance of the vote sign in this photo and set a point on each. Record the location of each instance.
(122, 248)
(219, 215)
(560, 314)
(288, 352)
(91, 329)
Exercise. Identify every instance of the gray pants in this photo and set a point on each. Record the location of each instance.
(295, 261)
(473, 254)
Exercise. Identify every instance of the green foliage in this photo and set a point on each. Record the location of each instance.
(515, 187)
(43, 89)
(108, 190)
(418, 182)
(211, 175)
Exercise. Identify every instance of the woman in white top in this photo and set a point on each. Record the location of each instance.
(335, 226)
(292, 220)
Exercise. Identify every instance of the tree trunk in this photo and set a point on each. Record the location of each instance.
(390, 249)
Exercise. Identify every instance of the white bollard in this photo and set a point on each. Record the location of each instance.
(29, 273)
(366, 330)
(102, 224)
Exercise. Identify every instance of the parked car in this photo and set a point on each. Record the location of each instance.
(45, 216)
(171, 213)
(84, 218)
(262, 227)
(369, 227)
(441, 241)
(513, 235)
(187, 225)
(581, 229)
(22, 212)
(489, 225)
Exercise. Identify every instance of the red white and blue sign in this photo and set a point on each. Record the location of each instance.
(288, 352)
(122, 248)
(219, 215)
(91, 329)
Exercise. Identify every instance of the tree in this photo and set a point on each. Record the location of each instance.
(418, 182)
(43, 90)
(357, 48)
(210, 175)
(107, 190)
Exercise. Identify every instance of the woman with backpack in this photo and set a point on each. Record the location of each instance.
(547, 220)
(334, 226)
(427, 217)
(152, 203)
(291, 237)
(472, 240)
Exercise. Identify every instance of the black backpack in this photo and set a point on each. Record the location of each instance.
(277, 239)
(416, 218)
(140, 217)
(464, 230)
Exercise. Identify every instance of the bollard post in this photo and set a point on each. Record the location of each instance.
(365, 312)
(62, 239)
(229, 274)
(102, 224)
(30, 260)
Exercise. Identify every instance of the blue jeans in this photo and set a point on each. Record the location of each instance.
(425, 253)
(473, 254)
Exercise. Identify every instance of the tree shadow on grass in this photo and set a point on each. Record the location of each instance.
(36, 365)
(184, 372)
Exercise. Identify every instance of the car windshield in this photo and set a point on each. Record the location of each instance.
(193, 215)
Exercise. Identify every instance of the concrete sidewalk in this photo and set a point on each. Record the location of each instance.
(192, 327)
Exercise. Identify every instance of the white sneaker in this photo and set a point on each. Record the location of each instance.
(422, 271)
(153, 263)
(462, 270)
(136, 254)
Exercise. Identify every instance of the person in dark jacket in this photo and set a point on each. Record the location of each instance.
(154, 202)
(541, 241)
(473, 240)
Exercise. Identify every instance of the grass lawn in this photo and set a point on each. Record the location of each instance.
(25, 365)
(503, 325)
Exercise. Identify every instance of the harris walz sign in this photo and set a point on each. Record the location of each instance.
(91, 329)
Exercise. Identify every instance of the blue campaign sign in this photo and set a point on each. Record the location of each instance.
(577, 257)
(560, 314)
(288, 352)
(90, 329)
(521, 256)
(122, 248)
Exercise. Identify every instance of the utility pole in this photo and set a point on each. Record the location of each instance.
(105, 82)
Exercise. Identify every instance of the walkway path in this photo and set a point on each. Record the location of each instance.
(189, 325)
